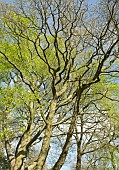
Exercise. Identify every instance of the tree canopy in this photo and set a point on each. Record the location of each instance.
(59, 87)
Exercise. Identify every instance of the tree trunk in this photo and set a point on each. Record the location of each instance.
(46, 142)
(22, 152)
(78, 164)
(22, 149)
(58, 165)
(10, 156)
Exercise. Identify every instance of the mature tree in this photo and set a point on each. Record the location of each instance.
(54, 55)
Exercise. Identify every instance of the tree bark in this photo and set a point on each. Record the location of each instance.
(78, 164)
(22, 148)
(46, 142)
(22, 152)
(10, 156)
(65, 149)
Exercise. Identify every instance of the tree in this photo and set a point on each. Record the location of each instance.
(3, 160)
(54, 56)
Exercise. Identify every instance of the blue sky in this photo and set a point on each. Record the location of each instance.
(8, 1)
(89, 1)
(92, 1)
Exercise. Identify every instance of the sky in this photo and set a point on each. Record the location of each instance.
(92, 1)
(89, 1)
(8, 1)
